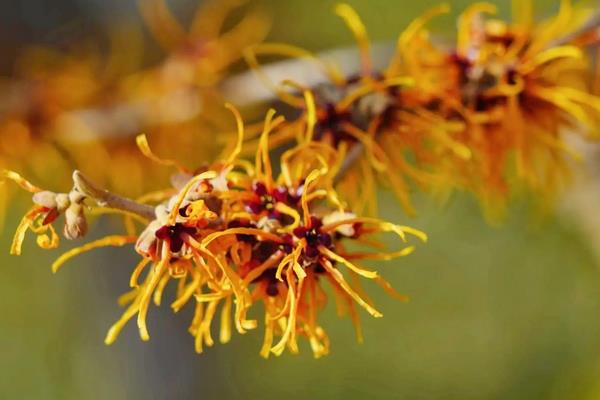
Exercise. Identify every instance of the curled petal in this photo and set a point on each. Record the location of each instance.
(115, 240)
(19, 180)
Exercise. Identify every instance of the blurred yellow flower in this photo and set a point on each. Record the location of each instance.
(80, 109)
(513, 90)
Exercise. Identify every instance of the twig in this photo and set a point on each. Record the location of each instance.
(104, 198)
(247, 88)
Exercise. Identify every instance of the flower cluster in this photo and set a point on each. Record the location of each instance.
(232, 235)
(487, 115)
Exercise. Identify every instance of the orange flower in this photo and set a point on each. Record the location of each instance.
(233, 235)
(373, 114)
(516, 88)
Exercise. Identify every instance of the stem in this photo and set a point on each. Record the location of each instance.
(104, 198)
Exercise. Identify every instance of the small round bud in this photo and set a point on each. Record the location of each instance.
(45, 198)
(62, 201)
(75, 222)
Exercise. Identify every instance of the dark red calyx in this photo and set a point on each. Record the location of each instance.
(243, 223)
(173, 235)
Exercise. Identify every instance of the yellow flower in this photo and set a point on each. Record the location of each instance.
(516, 87)
(301, 208)
(230, 236)
(374, 116)
(487, 115)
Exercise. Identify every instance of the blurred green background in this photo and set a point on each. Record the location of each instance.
(507, 312)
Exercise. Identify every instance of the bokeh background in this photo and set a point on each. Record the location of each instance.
(505, 312)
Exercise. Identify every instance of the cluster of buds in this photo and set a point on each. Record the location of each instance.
(48, 207)
(70, 204)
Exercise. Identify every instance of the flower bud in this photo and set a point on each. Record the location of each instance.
(75, 222)
(45, 198)
(62, 201)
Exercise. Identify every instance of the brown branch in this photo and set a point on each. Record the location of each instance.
(104, 198)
